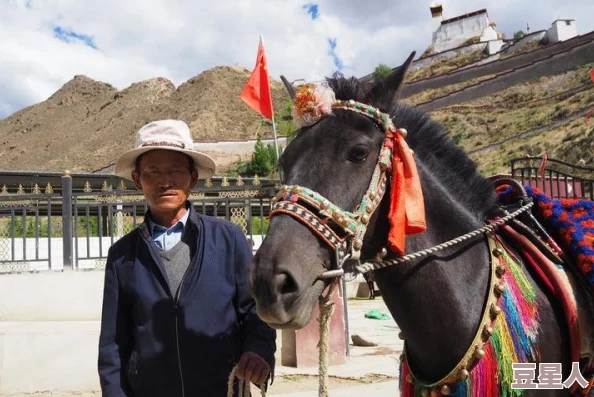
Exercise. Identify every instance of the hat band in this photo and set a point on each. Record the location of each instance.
(170, 144)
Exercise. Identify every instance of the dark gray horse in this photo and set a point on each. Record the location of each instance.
(438, 301)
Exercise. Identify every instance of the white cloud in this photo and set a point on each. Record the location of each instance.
(178, 39)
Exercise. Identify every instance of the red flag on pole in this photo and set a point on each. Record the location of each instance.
(256, 92)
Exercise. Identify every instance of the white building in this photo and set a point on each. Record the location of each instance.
(454, 32)
(561, 30)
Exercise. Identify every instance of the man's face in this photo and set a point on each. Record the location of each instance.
(165, 178)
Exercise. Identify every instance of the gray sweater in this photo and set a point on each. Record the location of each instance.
(176, 262)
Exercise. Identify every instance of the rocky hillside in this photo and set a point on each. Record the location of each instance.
(546, 115)
(86, 123)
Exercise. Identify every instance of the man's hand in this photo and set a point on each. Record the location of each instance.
(253, 368)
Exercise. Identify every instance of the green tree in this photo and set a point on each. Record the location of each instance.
(519, 34)
(382, 71)
(263, 159)
(259, 225)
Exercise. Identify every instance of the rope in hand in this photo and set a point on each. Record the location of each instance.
(326, 309)
(243, 386)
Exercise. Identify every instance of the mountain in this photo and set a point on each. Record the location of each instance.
(86, 124)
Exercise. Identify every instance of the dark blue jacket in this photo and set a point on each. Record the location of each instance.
(151, 343)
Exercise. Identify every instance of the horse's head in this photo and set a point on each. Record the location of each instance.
(331, 161)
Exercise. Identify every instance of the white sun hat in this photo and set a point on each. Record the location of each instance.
(169, 135)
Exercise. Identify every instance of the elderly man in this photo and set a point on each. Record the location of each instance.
(177, 315)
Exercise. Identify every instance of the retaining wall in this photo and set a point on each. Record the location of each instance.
(552, 65)
(495, 67)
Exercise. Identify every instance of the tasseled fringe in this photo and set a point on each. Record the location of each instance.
(491, 375)
(406, 389)
(460, 389)
(505, 353)
(516, 329)
(513, 341)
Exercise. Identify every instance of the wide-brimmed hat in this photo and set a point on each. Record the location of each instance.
(169, 135)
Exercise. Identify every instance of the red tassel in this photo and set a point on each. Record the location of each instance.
(491, 372)
(406, 389)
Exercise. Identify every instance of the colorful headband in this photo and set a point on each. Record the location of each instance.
(314, 101)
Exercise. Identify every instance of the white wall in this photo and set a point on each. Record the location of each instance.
(494, 46)
(561, 31)
(489, 34)
(238, 147)
(57, 256)
(29, 263)
(454, 34)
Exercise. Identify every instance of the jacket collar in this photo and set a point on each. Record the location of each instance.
(152, 224)
(191, 217)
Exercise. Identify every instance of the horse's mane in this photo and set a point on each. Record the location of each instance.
(431, 144)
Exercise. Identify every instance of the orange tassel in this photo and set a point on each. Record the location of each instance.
(407, 205)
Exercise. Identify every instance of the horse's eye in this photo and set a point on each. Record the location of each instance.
(358, 154)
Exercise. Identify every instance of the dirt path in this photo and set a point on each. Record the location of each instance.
(282, 384)
(365, 366)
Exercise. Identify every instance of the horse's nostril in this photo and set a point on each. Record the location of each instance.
(285, 284)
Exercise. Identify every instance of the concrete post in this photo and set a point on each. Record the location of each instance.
(300, 347)
(67, 220)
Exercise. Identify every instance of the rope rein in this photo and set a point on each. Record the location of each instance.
(326, 309)
(243, 386)
(378, 264)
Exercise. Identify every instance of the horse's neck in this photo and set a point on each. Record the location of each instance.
(437, 302)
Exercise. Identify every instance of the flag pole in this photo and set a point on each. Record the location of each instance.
(273, 125)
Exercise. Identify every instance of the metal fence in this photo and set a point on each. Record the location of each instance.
(72, 224)
(557, 179)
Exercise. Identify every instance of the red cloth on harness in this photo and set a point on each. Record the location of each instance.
(407, 206)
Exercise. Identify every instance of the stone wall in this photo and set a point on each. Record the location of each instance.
(524, 41)
(552, 65)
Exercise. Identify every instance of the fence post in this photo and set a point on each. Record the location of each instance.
(67, 219)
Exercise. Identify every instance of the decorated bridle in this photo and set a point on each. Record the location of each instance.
(343, 231)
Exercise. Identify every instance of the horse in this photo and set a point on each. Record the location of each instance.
(441, 300)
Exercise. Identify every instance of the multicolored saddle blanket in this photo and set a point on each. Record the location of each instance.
(570, 226)
(571, 223)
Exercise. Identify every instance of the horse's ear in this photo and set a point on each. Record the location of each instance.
(387, 90)
(289, 87)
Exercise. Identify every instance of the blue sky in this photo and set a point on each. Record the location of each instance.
(46, 43)
(313, 10)
(68, 36)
